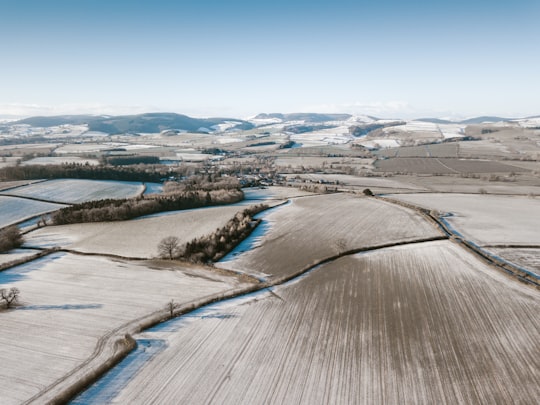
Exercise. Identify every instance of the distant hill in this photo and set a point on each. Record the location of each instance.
(480, 120)
(434, 120)
(150, 122)
(308, 117)
(57, 120)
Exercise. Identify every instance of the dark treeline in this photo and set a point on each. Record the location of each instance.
(10, 238)
(213, 247)
(79, 171)
(205, 182)
(123, 209)
(131, 160)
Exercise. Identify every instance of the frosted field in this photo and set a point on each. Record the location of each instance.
(86, 148)
(318, 161)
(448, 184)
(306, 230)
(134, 238)
(4, 185)
(16, 254)
(357, 182)
(425, 323)
(379, 143)
(98, 147)
(331, 136)
(273, 193)
(14, 210)
(526, 258)
(486, 219)
(483, 148)
(193, 156)
(533, 122)
(43, 161)
(69, 302)
(74, 191)
(445, 130)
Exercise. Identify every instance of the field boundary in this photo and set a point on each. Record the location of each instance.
(114, 346)
(34, 199)
(510, 268)
(28, 259)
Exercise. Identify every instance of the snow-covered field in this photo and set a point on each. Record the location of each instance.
(153, 188)
(425, 323)
(14, 210)
(343, 180)
(60, 160)
(313, 228)
(134, 238)
(486, 219)
(77, 191)
(379, 143)
(98, 147)
(4, 185)
(273, 193)
(331, 136)
(69, 302)
(193, 156)
(16, 254)
(528, 258)
(445, 130)
(533, 122)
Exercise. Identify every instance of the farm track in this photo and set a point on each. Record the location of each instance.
(448, 167)
(508, 267)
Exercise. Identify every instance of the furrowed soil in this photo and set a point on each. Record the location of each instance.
(422, 323)
(314, 228)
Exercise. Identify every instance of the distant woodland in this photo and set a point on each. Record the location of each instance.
(196, 192)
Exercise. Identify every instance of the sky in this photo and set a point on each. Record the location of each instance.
(388, 58)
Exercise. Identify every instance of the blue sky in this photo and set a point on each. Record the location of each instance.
(238, 58)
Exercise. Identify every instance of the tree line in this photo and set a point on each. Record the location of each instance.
(216, 245)
(123, 209)
(82, 171)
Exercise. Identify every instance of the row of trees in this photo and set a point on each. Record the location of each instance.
(216, 245)
(82, 171)
(205, 182)
(123, 209)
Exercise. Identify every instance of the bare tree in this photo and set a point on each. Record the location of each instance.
(10, 238)
(170, 306)
(9, 296)
(169, 247)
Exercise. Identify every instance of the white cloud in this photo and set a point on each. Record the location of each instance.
(28, 110)
(383, 109)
